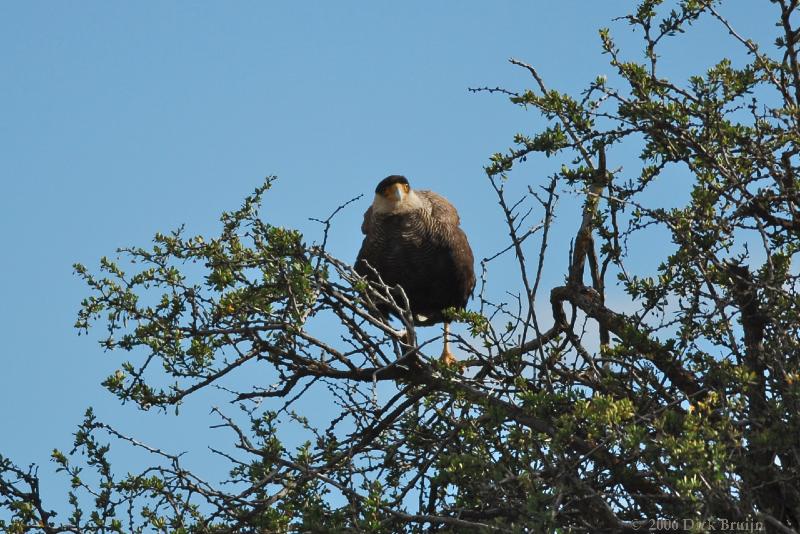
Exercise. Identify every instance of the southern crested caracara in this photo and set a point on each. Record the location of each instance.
(413, 239)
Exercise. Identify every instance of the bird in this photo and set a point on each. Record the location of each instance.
(413, 239)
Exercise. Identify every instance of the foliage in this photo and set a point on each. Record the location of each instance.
(683, 408)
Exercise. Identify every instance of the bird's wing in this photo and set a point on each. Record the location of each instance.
(367, 224)
(456, 240)
(441, 209)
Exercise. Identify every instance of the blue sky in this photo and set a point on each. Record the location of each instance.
(120, 119)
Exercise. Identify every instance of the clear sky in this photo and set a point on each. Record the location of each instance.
(120, 119)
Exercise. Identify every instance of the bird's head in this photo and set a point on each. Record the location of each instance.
(393, 188)
(394, 195)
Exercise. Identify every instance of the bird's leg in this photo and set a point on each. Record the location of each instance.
(447, 357)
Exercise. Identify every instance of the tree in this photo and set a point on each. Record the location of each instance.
(683, 408)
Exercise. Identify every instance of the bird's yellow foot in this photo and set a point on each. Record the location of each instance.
(447, 358)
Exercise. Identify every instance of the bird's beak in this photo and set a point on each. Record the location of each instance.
(395, 192)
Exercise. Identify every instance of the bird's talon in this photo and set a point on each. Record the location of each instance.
(402, 337)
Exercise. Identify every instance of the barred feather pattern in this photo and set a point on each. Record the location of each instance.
(425, 251)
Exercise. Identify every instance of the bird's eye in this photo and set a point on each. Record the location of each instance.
(407, 188)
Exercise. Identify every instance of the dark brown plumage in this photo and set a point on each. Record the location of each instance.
(413, 239)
